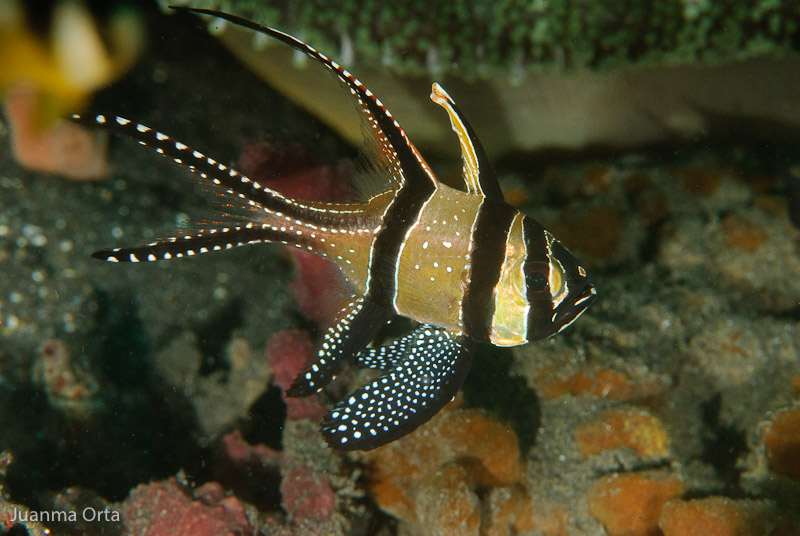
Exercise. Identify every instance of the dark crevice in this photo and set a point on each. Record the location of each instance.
(793, 313)
(256, 479)
(648, 252)
(17, 530)
(215, 333)
(266, 417)
(121, 345)
(723, 446)
(490, 384)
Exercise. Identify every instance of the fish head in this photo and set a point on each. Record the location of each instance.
(542, 287)
(557, 287)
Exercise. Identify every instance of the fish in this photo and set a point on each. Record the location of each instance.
(463, 264)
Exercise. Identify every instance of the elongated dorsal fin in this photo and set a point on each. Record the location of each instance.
(402, 159)
(478, 174)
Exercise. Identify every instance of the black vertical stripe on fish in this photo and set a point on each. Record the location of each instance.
(488, 253)
(352, 329)
(406, 396)
(400, 217)
(540, 315)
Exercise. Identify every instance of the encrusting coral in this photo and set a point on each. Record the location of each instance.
(453, 38)
(444, 478)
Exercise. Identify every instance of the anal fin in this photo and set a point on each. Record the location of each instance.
(353, 328)
(408, 395)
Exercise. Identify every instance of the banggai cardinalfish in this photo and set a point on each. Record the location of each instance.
(464, 264)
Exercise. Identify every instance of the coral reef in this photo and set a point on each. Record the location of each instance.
(446, 39)
(695, 361)
(630, 504)
(726, 517)
(431, 478)
(617, 428)
(782, 442)
(222, 396)
(671, 408)
(163, 508)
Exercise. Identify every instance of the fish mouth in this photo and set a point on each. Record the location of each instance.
(570, 311)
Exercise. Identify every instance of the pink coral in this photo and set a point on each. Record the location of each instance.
(60, 147)
(161, 508)
(307, 495)
(288, 352)
(319, 287)
(238, 450)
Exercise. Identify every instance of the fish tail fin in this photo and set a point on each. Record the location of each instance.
(280, 218)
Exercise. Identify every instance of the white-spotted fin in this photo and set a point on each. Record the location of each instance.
(426, 377)
(353, 328)
(386, 356)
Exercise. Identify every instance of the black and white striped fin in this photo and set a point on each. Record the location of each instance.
(216, 174)
(354, 327)
(404, 162)
(404, 398)
(478, 173)
(188, 245)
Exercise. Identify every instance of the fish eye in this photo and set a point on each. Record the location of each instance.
(535, 279)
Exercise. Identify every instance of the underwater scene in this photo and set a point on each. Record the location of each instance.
(521, 268)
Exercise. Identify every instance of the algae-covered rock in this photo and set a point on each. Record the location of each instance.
(474, 38)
